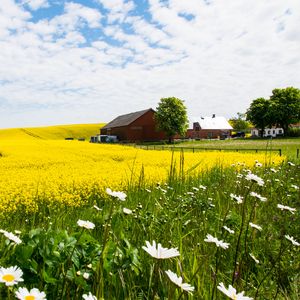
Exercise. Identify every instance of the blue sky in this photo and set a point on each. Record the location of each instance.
(64, 62)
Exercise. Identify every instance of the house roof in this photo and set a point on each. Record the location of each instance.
(127, 119)
(214, 123)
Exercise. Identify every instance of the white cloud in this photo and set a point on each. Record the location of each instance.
(36, 4)
(219, 60)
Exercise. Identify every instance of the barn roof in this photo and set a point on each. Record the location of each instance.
(127, 119)
(214, 123)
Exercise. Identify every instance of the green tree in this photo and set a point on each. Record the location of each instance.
(285, 107)
(239, 123)
(171, 117)
(259, 114)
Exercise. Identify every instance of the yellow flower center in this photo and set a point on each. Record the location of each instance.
(29, 297)
(234, 297)
(8, 277)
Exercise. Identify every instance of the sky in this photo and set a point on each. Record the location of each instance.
(88, 61)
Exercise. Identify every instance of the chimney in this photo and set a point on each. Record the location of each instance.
(213, 115)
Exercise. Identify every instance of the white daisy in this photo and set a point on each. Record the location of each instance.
(238, 199)
(86, 275)
(89, 296)
(255, 178)
(254, 258)
(284, 207)
(178, 281)
(127, 211)
(211, 239)
(11, 276)
(228, 229)
(291, 239)
(86, 224)
(259, 197)
(255, 226)
(11, 237)
(33, 294)
(160, 252)
(231, 292)
(120, 195)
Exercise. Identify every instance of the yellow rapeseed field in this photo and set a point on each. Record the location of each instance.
(36, 170)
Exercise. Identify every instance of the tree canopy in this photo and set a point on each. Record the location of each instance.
(171, 116)
(282, 110)
(239, 123)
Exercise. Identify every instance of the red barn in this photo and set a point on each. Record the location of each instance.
(134, 127)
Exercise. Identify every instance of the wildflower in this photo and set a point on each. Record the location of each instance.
(211, 239)
(89, 296)
(11, 237)
(178, 281)
(147, 190)
(255, 226)
(239, 199)
(195, 189)
(254, 258)
(295, 187)
(120, 195)
(89, 266)
(291, 164)
(261, 198)
(86, 224)
(33, 294)
(78, 273)
(231, 292)
(86, 275)
(228, 229)
(190, 193)
(273, 170)
(291, 239)
(202, 187)
(18, 232)
(11, 275)
(97, 208)
(127, 211)
(284, 207)
(160, 252)
(255, 178)
(258, 164)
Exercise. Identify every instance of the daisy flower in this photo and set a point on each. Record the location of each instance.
(11, 276)
(284, 207)
(254, 258)
(89, 296)
(255, 226)
(12, 237)
(160, 252)
(33, 294)
(231, 292)
(291, 239)
(211, 239)
(259, 197)
(86, 224)
(255, 178)
(178, 281)
(228, 229)
(120, 195)
(127, 211)
(238, 199)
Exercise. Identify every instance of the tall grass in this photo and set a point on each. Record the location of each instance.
(55, 252)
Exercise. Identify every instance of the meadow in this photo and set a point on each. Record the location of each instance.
(79, 221)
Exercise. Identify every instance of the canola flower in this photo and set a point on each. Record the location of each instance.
(11, 275)
(231, 292)
(160, 252)
(178, 281)
(37, 172)
(33, 294)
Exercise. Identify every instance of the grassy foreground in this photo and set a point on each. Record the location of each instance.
(236, 224)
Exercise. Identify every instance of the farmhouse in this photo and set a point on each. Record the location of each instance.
(134, 127)
(210, 128)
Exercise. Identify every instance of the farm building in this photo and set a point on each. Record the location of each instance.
(134, 127)
(210, 128)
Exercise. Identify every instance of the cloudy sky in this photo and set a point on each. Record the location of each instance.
(88, 61)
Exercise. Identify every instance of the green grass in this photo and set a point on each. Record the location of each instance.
(178, 214)
(288, 146)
